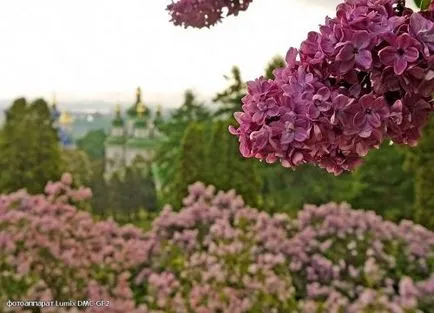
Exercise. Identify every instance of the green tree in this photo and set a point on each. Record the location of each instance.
(191, 110)
(93, 144)
(382, 184)
(225, 167)
(159, 119)
(218, 157)
(276, 62)
(421, 161)
(173, 131)
(100, 190)
(130, 190)
(288, 190)
(190, 167)
(30, 155)
(78, 164)
(140, 189)
(117, 199)
(229, 99)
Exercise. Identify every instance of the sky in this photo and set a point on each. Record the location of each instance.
(89, 51)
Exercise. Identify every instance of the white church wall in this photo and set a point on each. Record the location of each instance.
(130, 127)
(140, 132)
(132, 153)
(114, 158)
(117, 132)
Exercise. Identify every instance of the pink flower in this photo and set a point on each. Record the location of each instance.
(355, 52)
(67, 179)
(371, 113)
(403, 50)
(422, 29)
(345, 91)
(203, 13)
(294, 128)
(321, 103)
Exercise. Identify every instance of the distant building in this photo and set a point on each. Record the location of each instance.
(63, 121)
(132, 136)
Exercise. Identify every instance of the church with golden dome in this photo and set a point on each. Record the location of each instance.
(63, 122)
(133, 135)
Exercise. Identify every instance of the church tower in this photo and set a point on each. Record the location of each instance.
(114, 145)
(63, 123)
(132, 112)
(134, 137)
(140, 144)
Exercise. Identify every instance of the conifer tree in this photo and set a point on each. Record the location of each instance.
(229, 99)
(137, 190)
(78, 164)
(383, 184)
(218, 157)
(30, 154)
(93, 144)
(191, 163)
(276, 62)
(100, 190)
(226, 169)
(421, 161)
(130, 192)
(173, 130)
(117, 198)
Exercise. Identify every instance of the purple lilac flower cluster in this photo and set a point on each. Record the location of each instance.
(217, 255)
(204, 13)
(214, 255)
(49, 251)
(367, 75)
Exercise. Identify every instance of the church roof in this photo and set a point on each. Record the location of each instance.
(64, 138)
(115, 141)
(65, 119)
(118, 121)
(141, 142)
(132, 111)
(141, 118)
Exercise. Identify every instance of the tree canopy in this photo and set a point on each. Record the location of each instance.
(30, 154)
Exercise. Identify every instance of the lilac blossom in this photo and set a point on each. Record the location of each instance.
(402, 51)
(204, 13)
(355, 52)
(244, 253)
(215, 254)
(365, 77)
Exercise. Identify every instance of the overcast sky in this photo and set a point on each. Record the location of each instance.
(100, 50)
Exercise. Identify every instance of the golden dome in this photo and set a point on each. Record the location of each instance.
(65, 118)
(141, 109)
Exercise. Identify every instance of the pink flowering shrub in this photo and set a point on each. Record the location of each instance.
(204, 13)
(216, 255)
(366, 76)
(49, 250)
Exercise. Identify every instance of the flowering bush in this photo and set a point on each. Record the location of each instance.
(204, 13)
(367, 75)
(49, 250)
(216, 255)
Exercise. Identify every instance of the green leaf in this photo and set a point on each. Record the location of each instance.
(422, 4)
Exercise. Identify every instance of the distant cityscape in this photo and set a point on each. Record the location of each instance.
(86, 120)
(88, 115)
